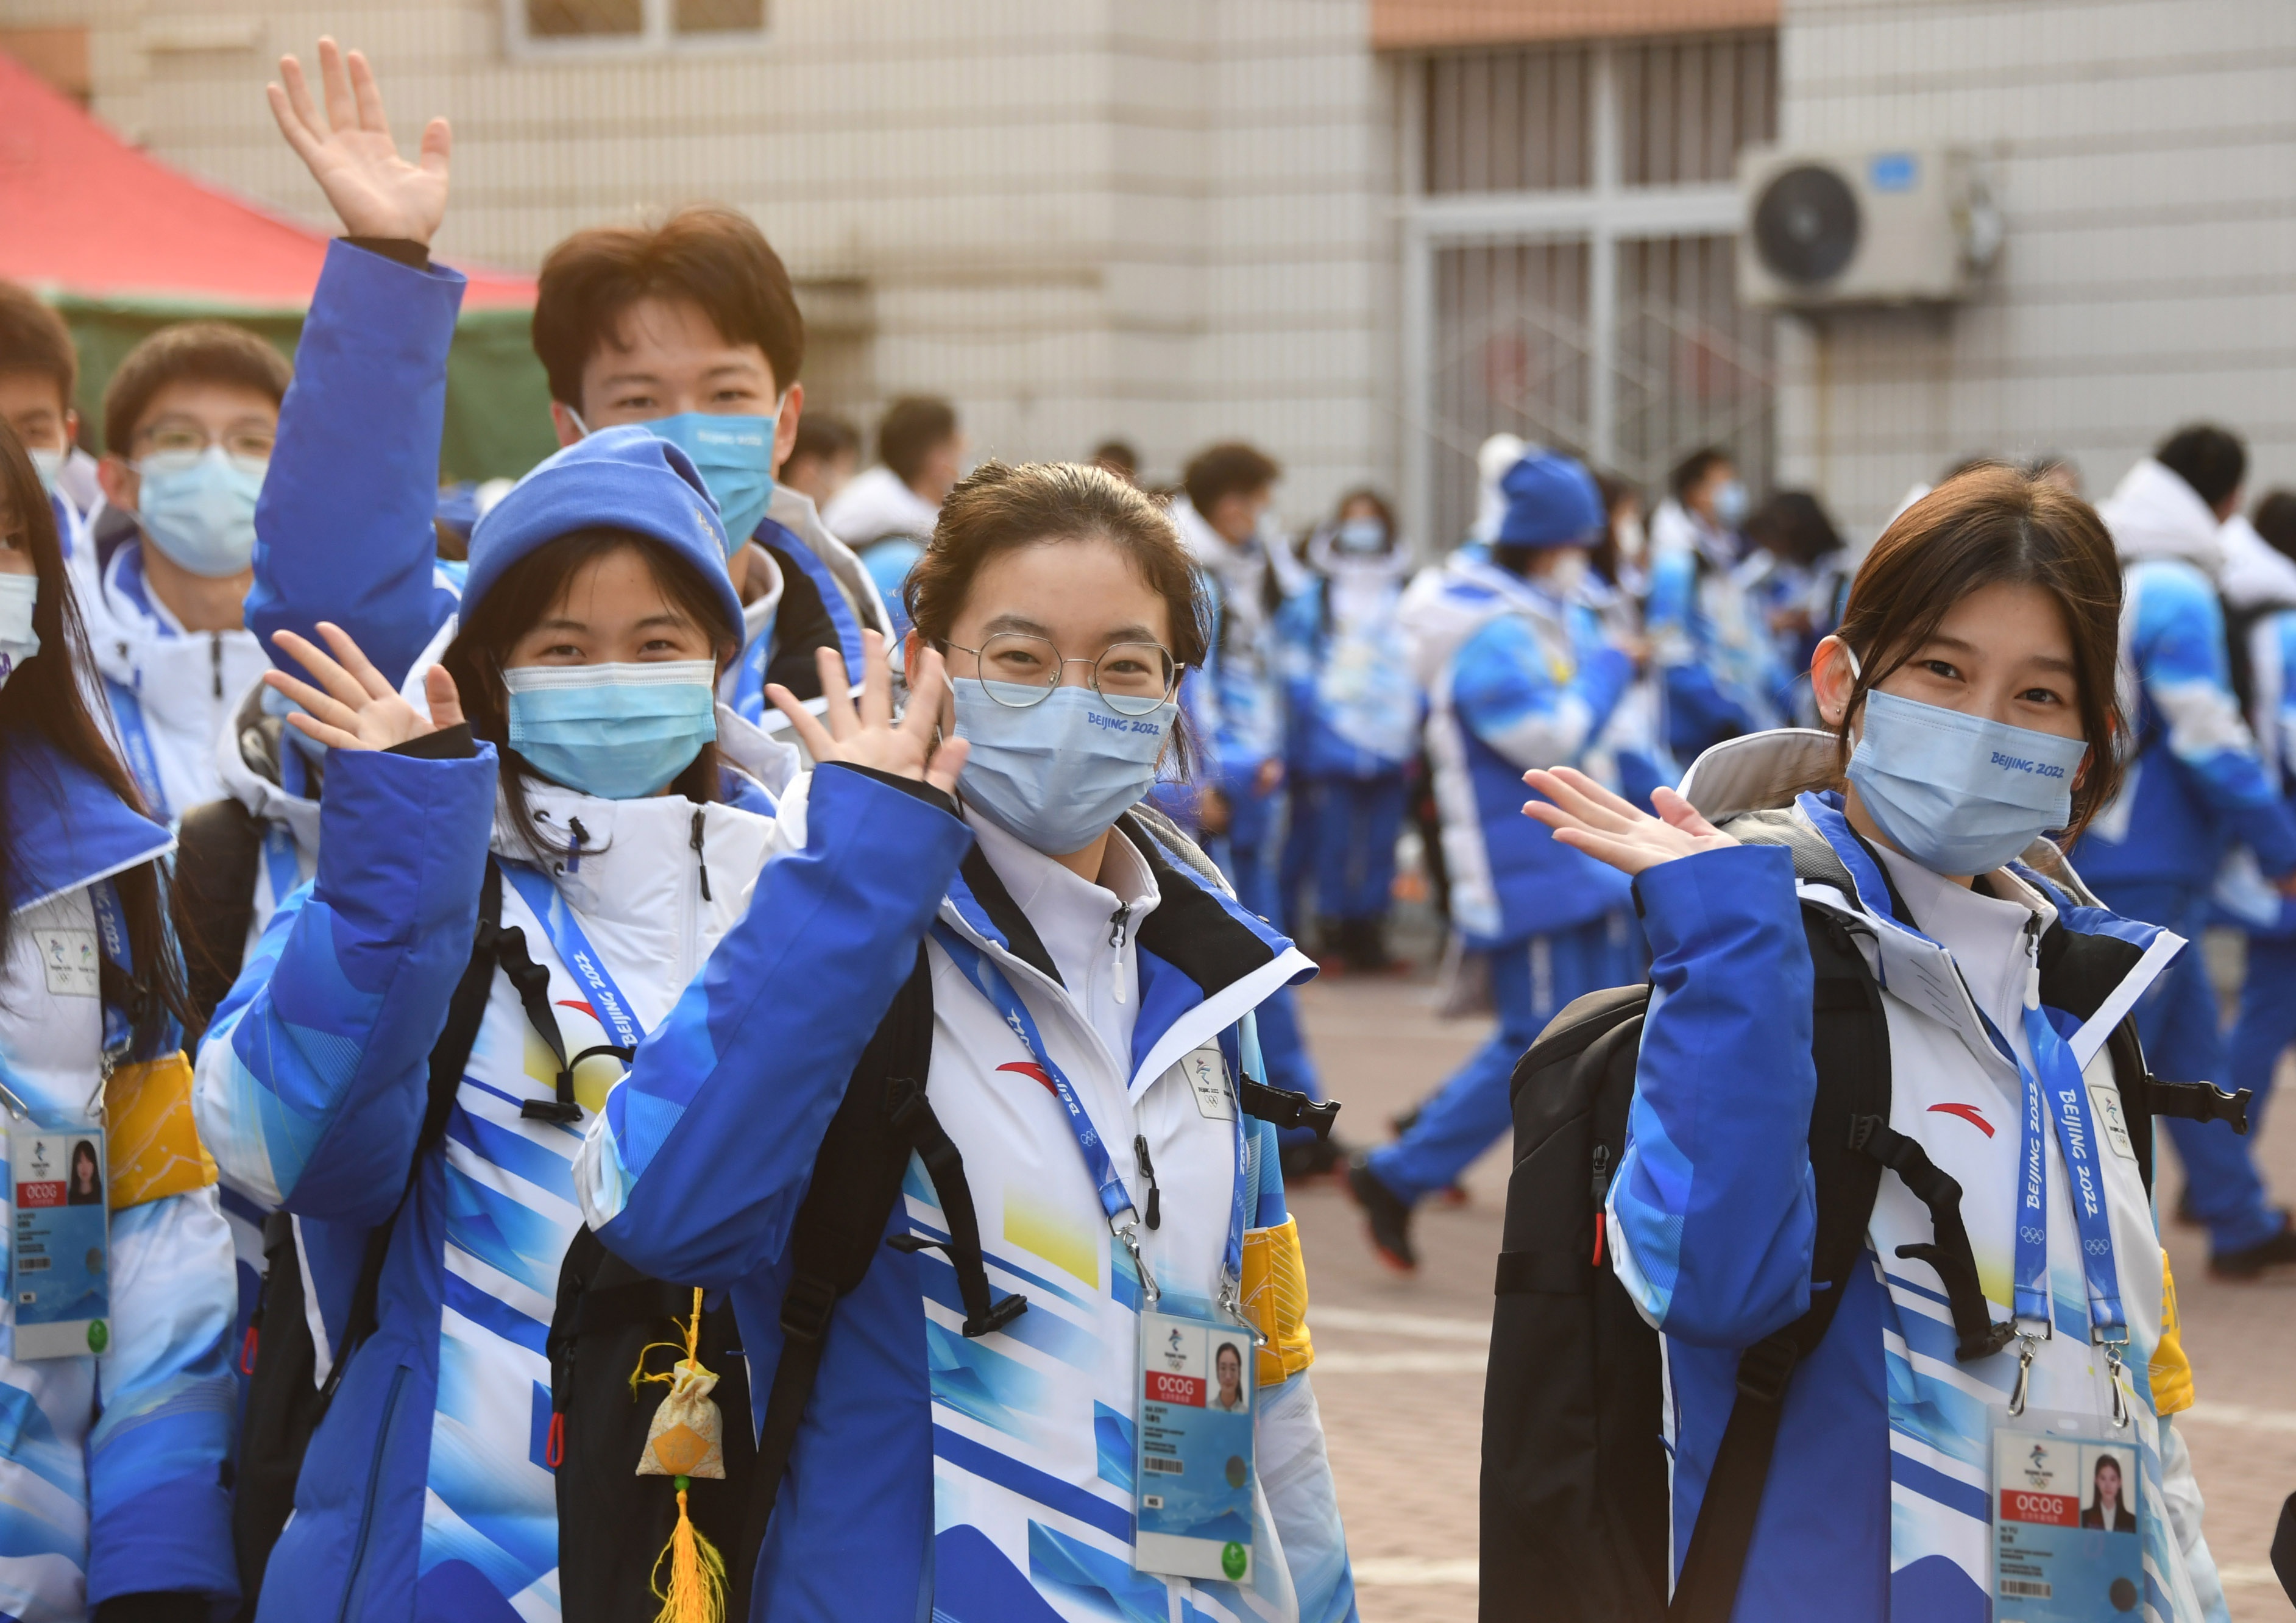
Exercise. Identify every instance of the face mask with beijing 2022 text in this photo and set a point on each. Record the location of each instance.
(1960, 794)
(1055, 775)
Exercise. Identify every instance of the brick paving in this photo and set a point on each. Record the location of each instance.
(1399, 1377)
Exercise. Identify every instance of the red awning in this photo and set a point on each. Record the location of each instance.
(82, 213)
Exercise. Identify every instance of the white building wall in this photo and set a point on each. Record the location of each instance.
(2145, 161)
(1077, 218)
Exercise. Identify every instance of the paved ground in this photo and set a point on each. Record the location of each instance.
(1400, 1361)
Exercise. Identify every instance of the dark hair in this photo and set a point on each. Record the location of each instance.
(44, 696)
(521, 597)
(706, 255)
(33, 338)
(824, 434)
(1996, 527)
(86, 1146)
(1691, 472)
(189, 352)
(909, 431)
(1793, 525)
(1118, 456)
(2209, 459)
(2275, 520)
(2046, 463)
(1002, 506)
(1231, 468)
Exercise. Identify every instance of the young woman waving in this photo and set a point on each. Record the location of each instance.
(112, 1467)
(1970, 694)
(1091, 1214)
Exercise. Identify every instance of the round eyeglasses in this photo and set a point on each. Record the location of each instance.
(1019, 671)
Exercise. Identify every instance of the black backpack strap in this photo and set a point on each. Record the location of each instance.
(1948, 1251)
(1285, 1108)
(219, 849)
(531, 981)
(911, 1116)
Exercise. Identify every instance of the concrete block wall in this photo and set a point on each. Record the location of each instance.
(1159, 219)
(2143, 157)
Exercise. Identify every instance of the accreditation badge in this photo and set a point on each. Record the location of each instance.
(2066, 1543)
(1195, 1430)
(60, 1261)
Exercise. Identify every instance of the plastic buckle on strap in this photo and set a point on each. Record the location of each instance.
(2202, 1102)
(550, 1110)
(807, 1307)
(1285, 1109)
(1765, 1367)
(1003, 1313)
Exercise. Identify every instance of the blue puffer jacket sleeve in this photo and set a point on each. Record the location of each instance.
(1505, 689)
(2177, 645)
(310, 1096)
(1713, 1211)
(343, 528)
(1698, 712)
(695, 1168)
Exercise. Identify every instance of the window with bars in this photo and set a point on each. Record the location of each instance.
(641, 24)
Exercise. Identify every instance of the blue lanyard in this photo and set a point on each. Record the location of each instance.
(111, 935)
(2065, 1096)
(136, 738)
(749, 699)
(607, 1004)
(280, 861)
(1115, 1201)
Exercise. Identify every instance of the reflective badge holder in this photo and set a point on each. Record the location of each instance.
(1194, 1466)
(59, 1265)
(2067, 1538)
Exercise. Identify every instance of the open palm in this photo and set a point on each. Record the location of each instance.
(1588, 817)
(376, 192)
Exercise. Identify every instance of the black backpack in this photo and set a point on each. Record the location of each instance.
(1576, 1515)
(219, 845)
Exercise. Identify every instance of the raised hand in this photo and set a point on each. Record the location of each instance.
(866, 734)
(376, 192)
(1588, 817)
(360, 709)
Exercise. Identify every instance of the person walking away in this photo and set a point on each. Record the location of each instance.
(973, 1440)
(886, 514)
(1981, 627)
(116, 1467)
(1352, 715)
(2196, 786)
(1720, 670)
(574, 782)
(1518, 670)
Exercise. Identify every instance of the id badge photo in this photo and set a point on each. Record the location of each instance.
(2067, 1535)
(60, 1261)
(1194, 1473)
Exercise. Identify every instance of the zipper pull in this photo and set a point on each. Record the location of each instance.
(699, 861)
(215, 660)
(1148, 1171)
(1601, 1188)
(2033, 961)
(1116, 923)
(581, 838)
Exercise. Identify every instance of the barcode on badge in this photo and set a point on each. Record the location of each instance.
(1171, 1467)
(2025, 1589)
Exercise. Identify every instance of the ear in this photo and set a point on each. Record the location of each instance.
(785, 424)
(561, 420)
(120, 485)
(1832, 680)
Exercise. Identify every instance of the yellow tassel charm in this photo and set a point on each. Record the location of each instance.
(685, 1441)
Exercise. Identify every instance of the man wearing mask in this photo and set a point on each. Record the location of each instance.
(2196, 786)
(39, 369)
(189, 419)
(1721, 672)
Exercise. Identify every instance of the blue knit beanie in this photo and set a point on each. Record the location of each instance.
(622, 478)
(1551, 501)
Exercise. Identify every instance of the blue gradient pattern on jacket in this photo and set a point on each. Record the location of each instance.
(1351, 707)
(1721, 671)
(2197, 784)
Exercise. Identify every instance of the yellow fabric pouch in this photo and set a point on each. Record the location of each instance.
(1275, 1298)
(154, 1145)
(2170, 1373)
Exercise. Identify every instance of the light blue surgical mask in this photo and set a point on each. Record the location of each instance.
(18, 640)
(1056, 774)
(1960, 794)
(198, 507)
(735, 456)
(1730, 505)
(1361, 536)
(49, 465)
(617, 732)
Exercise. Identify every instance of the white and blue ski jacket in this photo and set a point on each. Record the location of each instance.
(1352, 709)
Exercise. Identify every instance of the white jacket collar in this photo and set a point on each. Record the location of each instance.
(2153, 513)
(2255, 572)
(247, 764)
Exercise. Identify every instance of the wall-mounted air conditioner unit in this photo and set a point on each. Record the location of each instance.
(1868, 226)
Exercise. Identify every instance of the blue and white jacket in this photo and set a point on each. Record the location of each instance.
(2196, 785)
(989, 1479)
(425, 1494)
(1877, 1502)
(1245, 701)
(111, 1465)
(2261, 583)
(1514, 679)
(1720, 666)
(1352, 707)
(344, 529)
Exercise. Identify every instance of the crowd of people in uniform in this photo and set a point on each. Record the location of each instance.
(865, 901)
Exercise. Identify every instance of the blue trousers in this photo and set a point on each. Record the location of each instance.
(1531, 980)
(2176, 1020)
(1249, 868)
(1353, 824)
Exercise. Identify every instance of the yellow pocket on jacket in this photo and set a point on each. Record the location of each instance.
(1275, 1297)
(155, 1148)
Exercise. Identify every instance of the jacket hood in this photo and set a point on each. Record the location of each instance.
(1445, 605)
(2255, 574)
(248, 761)
(874, 504)
(1323, 557)
(66, 827)
(795, 513)
(2153, 513)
